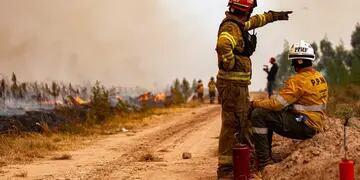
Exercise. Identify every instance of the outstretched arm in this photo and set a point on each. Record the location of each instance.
(260, 20)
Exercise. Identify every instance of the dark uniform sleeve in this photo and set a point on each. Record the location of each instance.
(273, 71)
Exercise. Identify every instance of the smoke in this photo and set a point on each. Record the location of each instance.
(117, 42)
(147, 43)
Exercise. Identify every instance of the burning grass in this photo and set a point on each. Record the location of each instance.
(38, 119)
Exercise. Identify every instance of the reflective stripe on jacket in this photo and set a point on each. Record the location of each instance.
(306, 93)
(230, 39)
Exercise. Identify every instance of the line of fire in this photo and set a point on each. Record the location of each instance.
(29, 106)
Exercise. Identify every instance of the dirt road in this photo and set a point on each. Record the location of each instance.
(154, 152)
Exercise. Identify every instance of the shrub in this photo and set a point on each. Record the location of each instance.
(100, 106)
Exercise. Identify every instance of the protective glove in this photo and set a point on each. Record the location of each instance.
(282, 15)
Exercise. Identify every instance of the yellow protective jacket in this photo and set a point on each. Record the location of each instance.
(212, 86)
(233, 66)
(305, 93)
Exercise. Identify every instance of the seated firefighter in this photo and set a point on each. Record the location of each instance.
(297, 112)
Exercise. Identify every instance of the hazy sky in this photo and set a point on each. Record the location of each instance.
(148, 42)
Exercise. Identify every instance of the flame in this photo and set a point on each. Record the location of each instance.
(119, 98)
(144, 97)
(160, 97)
(80, 101)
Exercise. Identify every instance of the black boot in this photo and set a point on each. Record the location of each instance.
(225, 173)
(263, 164)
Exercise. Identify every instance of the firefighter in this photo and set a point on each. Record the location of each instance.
(271, 76)
(298, 111)
(200, 91)
(212, 90)
(234, 48)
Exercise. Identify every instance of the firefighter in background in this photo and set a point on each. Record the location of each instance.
(234, 48)
(212, 90)
(200, 91)
(298, 112)
(271, 76)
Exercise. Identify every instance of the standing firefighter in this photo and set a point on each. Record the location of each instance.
(200, 91)
(234, 48)
(212, 90)
(298, 111)
(271, 76)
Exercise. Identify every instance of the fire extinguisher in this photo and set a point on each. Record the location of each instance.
(346, 166)
(241, 161)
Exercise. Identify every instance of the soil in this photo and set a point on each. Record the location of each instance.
(319, 157)
(156, 152)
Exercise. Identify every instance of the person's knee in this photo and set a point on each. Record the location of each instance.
(258, 116)
(258, 113)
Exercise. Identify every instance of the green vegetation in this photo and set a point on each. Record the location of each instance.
(339, 65)
(100, 105)
(180, 92)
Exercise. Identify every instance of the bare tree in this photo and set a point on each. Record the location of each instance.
(55, 90)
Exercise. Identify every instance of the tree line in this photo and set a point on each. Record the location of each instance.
(339, 65)
(181, 91)
(17, 90)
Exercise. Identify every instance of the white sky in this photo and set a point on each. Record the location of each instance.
(148, 42)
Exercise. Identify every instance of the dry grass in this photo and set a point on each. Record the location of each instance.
(21, 174)
(136, 120)
(149, 157)
(24, 148)
(344, 96)
(27, 147)
(65, 156)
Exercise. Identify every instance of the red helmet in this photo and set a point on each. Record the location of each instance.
(243, 5)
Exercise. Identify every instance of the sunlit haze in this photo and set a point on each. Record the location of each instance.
(148, 43)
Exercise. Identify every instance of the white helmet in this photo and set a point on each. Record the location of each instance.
(302, 50)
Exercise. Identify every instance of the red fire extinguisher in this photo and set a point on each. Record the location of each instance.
(241, 161)
(346, 166)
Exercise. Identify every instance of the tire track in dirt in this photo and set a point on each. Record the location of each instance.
(202, 143)
(131, 164)
(120, 156)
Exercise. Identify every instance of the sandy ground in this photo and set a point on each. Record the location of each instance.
(151, 153)
(317, 158)
(155, 152)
